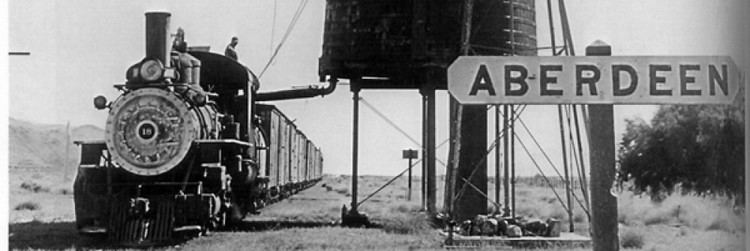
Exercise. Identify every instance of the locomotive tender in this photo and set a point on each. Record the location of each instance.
(187, 148)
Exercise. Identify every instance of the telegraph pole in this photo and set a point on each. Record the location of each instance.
(67, 152)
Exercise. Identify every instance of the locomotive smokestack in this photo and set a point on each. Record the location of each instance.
(157, 36)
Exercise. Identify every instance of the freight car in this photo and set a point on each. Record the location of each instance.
(188, 148)
(292, 161)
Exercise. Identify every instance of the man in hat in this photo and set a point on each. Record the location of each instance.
(230, 51)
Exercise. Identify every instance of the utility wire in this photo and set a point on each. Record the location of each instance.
(290, 27)
(388, 183)
(389, 121)
(542, 173)
(394, 125)
(273, 27)
(559, 175)
(496, 204)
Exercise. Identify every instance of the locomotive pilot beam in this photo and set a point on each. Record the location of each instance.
(187, 148)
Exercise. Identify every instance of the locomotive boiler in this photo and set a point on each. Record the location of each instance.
(187, 148)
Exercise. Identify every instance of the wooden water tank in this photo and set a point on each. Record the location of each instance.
(403, 43)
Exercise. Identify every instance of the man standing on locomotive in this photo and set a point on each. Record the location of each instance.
(230, 52)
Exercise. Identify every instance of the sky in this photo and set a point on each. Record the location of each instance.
(79, 49)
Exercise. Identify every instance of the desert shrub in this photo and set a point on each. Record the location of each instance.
(527, 211)
(551, 200)
(523, 193)
(683, 231)
(631, 239)
(686, 209)
(719, 224)
(558, 213)
(65, 191)
(406, 223)
(622, 218)
(656, 218)
(401, 209)
(342, 190)
(33, 187)
(406, 208)
(29, 205)
(579, 217)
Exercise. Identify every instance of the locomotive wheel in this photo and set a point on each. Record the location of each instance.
(231, 217)
(235, 214)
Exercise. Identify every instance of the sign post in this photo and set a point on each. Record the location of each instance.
(602, 158)
(409, 154)
(600, 81)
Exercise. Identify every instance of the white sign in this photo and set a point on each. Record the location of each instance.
(594, 80)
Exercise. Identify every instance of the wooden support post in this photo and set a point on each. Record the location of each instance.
(408, 196)
(512, 160)
(453, 153)
(565, 169)
(355, 144)
(497, 156)
(424, 151)
(602, 158)
(429, 188)
(429, 157)
(743, 82)
(506, 162)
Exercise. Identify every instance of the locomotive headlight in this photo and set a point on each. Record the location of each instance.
(151, 70)
(100, 102)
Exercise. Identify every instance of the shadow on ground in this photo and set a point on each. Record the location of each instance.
(63, 235)
(49, 235)
(268, 225)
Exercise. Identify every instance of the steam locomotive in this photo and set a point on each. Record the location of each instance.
(188, 148)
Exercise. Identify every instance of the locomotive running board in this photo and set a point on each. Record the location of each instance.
(188, 228)
(93, 230)
(223, 141)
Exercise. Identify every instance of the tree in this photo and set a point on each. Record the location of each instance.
(698, 147)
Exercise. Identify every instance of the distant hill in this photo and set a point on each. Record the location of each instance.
(43, 146)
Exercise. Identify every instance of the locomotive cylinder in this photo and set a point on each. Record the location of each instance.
(157, 36)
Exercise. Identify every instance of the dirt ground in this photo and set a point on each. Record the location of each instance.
(308, 220)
